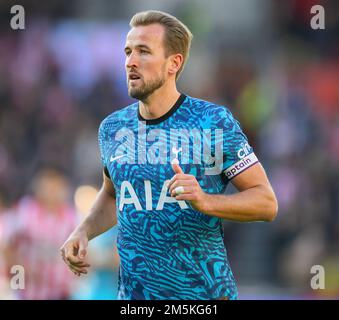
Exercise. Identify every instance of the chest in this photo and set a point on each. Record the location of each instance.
(140, 149)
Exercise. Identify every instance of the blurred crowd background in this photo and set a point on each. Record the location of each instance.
(65, 72)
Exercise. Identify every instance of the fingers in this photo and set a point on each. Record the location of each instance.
(77, 269)
(73, 254)
(179, 190)
(78, 272)
(79, 264)
(177, 183)
(176, 168)
(74, 269)
(180, 177)
(73, 259)
(184, 186)
(182, 190)
(187, 197)
(181, 180)
(82, 249)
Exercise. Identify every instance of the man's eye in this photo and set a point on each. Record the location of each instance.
(143, 51)
(127, 53)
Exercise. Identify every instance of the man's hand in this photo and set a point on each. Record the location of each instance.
(186, 187)
(74, 251)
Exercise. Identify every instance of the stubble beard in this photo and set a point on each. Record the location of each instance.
(146, 89)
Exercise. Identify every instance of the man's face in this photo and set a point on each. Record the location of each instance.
(146, 65)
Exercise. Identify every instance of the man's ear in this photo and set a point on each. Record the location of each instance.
(176, 61)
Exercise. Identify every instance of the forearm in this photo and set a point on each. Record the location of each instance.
(102, 215)
(254, 204)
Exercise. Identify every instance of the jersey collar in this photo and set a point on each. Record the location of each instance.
(175, 107)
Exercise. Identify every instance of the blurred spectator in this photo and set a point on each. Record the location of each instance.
(39, 224)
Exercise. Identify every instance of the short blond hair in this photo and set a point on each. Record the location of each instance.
(177, 38)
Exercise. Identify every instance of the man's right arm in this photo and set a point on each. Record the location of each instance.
(102, 215)
(101, 218)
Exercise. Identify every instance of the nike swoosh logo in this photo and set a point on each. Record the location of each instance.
(116, 158)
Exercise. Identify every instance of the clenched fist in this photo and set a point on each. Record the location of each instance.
(186, 187)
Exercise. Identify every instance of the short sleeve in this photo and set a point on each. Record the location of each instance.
(238, 154)
(102, 143)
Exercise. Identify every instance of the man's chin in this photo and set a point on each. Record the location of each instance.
(137, 94)
(143, 91)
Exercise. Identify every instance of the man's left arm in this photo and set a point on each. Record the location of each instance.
(255, 200)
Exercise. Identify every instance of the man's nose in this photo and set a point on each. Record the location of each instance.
(132, 61)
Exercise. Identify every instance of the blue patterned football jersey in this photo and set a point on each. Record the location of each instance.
(169, 250)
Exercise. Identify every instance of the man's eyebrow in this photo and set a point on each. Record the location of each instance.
(139, 46)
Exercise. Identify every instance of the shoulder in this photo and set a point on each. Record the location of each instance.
(217, 114)
(118, 118)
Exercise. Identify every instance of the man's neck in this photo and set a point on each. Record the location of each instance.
(158, 103)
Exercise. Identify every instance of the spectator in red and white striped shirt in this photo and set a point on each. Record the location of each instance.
(38, 227)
